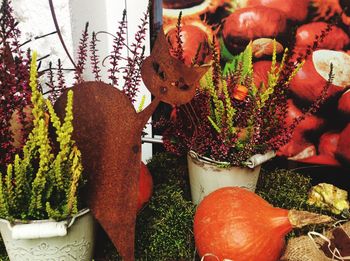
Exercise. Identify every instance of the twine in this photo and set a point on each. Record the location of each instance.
(335, 253)
(212, 255)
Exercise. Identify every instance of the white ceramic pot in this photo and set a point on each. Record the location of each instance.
(206, 176)
(46, 240)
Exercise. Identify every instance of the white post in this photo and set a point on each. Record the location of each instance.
(104, 15)
(35, 20)
(135, 10)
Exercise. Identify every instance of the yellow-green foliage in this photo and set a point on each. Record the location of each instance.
(222, 111)
(218, 110)
(246, 59)
(241, 67)
(274, 74)
(142, 103)
(230, 111)
(41, 184)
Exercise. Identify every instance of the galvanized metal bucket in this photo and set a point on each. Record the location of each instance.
(40, 240)
(206, 176)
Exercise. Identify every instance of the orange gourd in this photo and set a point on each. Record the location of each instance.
(236, 224)
(145, 186)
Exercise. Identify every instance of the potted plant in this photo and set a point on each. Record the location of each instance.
(38, 193)
(236, 121)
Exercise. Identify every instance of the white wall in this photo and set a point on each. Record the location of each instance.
(35, 19)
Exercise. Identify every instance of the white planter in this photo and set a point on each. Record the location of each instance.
(206, 176)
(46, 240)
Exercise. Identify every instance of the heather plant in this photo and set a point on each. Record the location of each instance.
(43, 182)
(123, 72)
(231, 119)
(14, 89)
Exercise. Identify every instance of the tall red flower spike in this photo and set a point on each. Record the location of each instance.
(108, 130)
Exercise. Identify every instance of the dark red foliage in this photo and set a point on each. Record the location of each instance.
(94, 58)
(82, 55)
(14, 77)
(177, 50)
(118, 44)
(132, 72)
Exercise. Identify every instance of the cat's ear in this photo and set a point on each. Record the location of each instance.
(161, 47)
(198, 72)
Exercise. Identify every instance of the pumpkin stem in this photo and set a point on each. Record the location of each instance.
(299, 219)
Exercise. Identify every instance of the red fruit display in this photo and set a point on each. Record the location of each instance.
(261, 70)
(294, 10)
(312, 77)
(251, 23)
(343, 149)
(299, 142)
(296, 25)
(328, 143)
(326, 149)
(171, 4)
(344, 103)
(306, 34)
(194, 40)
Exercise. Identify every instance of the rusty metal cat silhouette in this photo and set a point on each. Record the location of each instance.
(108, 130)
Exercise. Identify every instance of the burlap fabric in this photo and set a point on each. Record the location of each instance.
(304, 248)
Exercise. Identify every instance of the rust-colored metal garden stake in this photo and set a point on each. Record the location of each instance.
(108, 130)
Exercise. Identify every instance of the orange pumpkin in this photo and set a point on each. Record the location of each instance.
(233, 223)
(145, 187)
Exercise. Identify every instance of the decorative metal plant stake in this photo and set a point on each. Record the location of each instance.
(108, 130)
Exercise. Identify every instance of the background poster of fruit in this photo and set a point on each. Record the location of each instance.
(317, 30)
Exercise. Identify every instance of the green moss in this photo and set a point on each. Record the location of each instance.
(284, 188)
(165, 226)
(167, 168)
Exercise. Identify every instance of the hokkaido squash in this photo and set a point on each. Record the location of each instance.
(145, 186)
(233, 223)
